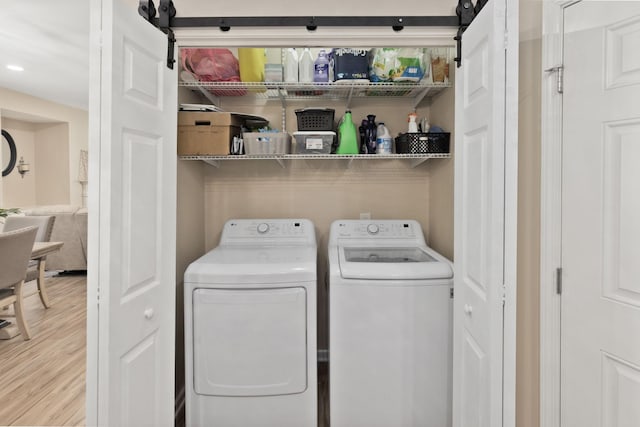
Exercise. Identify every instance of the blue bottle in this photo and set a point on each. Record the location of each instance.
(321, 68)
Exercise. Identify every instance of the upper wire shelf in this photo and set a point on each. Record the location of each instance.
(336, 91)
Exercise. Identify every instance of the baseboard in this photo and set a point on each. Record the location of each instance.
(179, 415)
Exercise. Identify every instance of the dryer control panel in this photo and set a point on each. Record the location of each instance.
(295, 231)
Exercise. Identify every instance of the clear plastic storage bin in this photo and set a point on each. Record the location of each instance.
(316, 142)
(265, 143)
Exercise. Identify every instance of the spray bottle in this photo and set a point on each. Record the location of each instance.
(347, 135)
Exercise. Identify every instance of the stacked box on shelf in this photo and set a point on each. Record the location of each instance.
(206, 133)
(315, 131)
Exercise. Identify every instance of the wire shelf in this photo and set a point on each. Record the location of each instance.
(320, 157)
(336, 91)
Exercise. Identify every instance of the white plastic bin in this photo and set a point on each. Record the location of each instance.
(313, 142)
(257, 143)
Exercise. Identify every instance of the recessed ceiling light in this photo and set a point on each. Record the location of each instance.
(15, 67)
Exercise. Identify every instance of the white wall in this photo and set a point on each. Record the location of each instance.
(51, 164)
(528, 306)
(12, 102)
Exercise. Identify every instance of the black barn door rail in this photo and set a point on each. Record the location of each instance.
(465, 12)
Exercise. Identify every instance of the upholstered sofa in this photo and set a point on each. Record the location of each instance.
(70, 227)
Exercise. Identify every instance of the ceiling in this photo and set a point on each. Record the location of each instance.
(50, 40)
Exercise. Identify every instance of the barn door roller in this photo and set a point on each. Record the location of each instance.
(466, 11)
(167, 11)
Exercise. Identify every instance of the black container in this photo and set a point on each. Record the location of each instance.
(310, 119)
(422, 143)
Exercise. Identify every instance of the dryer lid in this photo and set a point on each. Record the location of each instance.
(392, 263)
(258, 264)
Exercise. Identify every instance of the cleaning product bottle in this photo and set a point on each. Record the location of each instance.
(347, 135)
(384, 142)
(251, 63)
(413, 125)
(371, 133)
(363, 136)
(321, 68)
(306, 66)
(291, 66)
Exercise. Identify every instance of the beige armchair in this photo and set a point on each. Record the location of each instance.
(37, 266)
(15, 251)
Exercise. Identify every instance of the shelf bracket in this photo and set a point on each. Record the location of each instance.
(280, 162)
(214, 163)
(418, 99)
(349, 98)
(417, 162)
(214, 100)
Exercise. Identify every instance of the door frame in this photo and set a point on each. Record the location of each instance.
(550, 211)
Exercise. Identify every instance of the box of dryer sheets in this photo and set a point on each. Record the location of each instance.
(203, 133)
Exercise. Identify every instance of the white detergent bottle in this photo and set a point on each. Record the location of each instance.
(306, 66)
(291, 66)
(384, 142)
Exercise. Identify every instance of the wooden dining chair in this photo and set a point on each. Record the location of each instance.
(36, 266)
(15, 251)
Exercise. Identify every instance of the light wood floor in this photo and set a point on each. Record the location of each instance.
(42, 381)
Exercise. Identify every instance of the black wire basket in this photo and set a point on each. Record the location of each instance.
(422, 143)
(310, 119)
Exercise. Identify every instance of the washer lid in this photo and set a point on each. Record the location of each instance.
(258, 264)
(392, 263)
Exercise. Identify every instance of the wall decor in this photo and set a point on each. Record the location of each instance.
(9, 155)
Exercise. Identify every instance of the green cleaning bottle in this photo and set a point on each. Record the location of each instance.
(347, 135)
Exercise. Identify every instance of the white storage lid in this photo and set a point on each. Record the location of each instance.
(314, 132)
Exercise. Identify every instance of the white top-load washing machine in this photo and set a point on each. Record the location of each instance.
(390, 326)
(250, 327)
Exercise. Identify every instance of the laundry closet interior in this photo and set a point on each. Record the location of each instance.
(324, 189)
(211, 191)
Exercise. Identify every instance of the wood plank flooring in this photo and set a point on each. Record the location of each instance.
(42, 381)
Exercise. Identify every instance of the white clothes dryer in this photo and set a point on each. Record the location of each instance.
(390, 326)
(250, 327)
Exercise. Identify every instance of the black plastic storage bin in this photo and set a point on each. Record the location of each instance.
(422, 143)
(310, 119)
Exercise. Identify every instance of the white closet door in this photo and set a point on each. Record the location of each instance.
(600, 378)
(484, 245)
(132, 222)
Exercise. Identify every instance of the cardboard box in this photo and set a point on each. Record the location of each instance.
(206, 133)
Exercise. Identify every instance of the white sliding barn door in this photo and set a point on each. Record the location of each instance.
(485, 223)
(600, 344)
(131, 303)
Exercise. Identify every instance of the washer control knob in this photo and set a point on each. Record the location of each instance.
(263, 227)
(372, 229)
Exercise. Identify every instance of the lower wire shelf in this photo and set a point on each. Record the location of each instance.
(415, 159)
